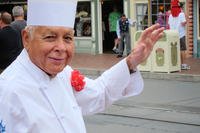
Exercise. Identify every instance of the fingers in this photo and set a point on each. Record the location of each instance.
(160, 32)
(149, 30)
(157, 34)
(153, 27)
(152, 34)
(145, 44)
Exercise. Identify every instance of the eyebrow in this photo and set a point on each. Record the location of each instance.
(48, 31)
(70, 33)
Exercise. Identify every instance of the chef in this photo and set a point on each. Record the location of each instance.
(41, 93)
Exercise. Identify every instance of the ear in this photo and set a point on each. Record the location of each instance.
(26, 39)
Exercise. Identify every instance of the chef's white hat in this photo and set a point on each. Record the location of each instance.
(51, 12)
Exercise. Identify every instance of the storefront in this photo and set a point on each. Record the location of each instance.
(92, 28)
(89, 37)
(91, 25)
(147, 12)
(85, 35)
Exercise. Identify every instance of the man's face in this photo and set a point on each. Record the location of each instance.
(123, 18)
(50, 48)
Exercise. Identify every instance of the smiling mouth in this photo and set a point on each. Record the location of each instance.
(56, 59)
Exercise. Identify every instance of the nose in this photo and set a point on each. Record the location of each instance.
(61, 45)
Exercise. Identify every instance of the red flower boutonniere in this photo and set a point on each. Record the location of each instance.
(77, 80)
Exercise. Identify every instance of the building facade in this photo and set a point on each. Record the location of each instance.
(152, 8)
(92, 28)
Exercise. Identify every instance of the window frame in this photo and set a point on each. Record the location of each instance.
(165, 4)
(141, 26)
(85, 20)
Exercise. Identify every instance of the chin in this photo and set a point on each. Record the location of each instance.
(54, 71)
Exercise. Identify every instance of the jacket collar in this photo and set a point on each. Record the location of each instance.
(34, 70)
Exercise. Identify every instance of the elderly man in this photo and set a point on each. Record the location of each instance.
(40, 93)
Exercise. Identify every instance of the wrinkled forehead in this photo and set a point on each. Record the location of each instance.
(54, 28)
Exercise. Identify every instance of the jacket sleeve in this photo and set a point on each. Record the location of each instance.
(114, 84)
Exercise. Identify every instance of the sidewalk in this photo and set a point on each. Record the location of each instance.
(96, 64)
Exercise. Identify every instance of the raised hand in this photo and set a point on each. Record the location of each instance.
(144, 45)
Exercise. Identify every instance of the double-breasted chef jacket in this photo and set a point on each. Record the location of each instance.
(33, 102)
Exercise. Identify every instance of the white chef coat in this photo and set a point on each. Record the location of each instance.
(32, 102)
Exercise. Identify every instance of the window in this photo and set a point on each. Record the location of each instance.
(160, 12)
(142, 16)
(82, 25)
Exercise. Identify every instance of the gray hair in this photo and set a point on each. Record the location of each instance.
(17, 11)
(30, 29)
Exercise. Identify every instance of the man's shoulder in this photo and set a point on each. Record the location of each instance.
(114, 14)
(173, 18)
(17, 85)
(118, 13)
(14, 23)
(12, 79)
(16, 74)
(18, 21)
(170, 15)
(182, 14)
(18, 24)
(8, 30)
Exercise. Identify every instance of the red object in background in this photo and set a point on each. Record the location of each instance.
(175, 8)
